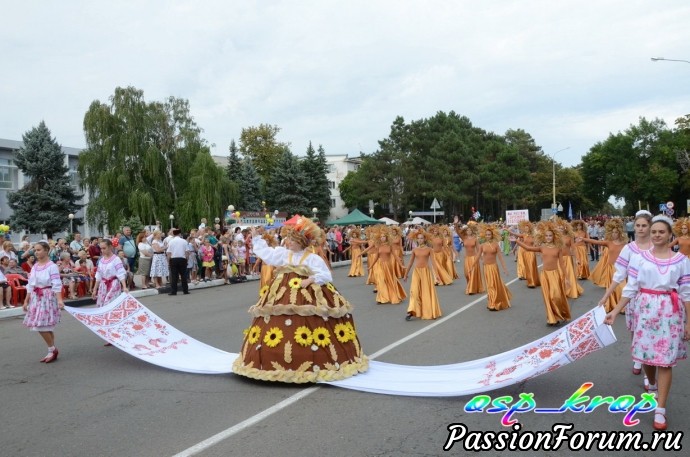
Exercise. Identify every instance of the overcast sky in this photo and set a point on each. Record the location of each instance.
(338, 73)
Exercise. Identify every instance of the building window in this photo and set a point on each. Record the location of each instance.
(8, 174)
(74, 177)
(332, 202)
(330, 168)
(331, 184)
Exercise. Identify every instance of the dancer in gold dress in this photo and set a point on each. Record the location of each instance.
(498, 294)
(423, 299)
(468, 234)
(553, 288)
(388, 287)
(580, 235)
(682, 231)
(355, 249)
(439, 256)
(573, 289)
(615, 238)
(527, 260)
(398, 253)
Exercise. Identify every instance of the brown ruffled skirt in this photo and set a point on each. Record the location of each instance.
(300, 335)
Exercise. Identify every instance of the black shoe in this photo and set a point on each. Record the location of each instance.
(172, 293)
(185, 293)
(408, 317)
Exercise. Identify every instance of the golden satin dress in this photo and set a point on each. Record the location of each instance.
(450, 265)
(398, 256)
(554, 294)
(575, 289)
(356, 268)
(598, 274)
(438, 257)
(265, 274)
(388, 287)
(371, 258)
(473, 276)
(498, 294)
(582, 261)
(521, 274)
(423, 299)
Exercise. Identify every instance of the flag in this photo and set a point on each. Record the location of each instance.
(570, 210)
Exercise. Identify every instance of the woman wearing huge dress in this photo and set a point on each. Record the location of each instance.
(302, 329)
(659, 281)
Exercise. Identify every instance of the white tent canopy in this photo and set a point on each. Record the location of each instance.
(417, 221)
(389, 221)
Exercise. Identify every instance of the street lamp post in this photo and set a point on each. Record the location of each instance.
(553, 162)
(409, 213)
(71, 222)
(172, 218)
(314, 210)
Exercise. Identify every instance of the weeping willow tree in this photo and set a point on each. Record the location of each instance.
(142, 159)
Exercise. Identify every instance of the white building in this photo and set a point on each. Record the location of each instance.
(339, 165)
(12, 179)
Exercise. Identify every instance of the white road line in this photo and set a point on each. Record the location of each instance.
(227, 433)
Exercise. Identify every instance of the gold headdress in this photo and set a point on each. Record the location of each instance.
(682, 221)
(525, 226)
(493, 229)
(579, 225)
(615, 224)
(548, 226)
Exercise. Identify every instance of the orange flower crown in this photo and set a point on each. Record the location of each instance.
(495, 233)
(615, 224)
(548, 226)
(682, 221)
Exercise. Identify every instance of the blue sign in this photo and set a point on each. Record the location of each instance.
(554, 210)
(662, 207)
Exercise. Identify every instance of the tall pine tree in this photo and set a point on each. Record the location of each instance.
(43, 204)
(315, 168)
(285, 189)
(250, 187)
(233, 169)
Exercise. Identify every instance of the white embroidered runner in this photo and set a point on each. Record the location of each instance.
(133, 328)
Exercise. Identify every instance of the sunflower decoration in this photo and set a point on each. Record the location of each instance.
(321, 336)
(677, 227)
(331, 287)
(273, 337)
(254, 334)
(295, 283)
(343, 333)
(303, 336)
(263, 291)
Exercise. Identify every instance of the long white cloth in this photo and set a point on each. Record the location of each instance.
(133, 328)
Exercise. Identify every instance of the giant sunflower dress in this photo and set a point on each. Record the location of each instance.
(299, 335)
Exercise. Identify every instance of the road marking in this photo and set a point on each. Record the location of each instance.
(227, 433)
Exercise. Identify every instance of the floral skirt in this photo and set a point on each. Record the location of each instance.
(159, 266)
(43, 313)
(300, 335)
(657, 337)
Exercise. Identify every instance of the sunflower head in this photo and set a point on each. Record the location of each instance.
(342, 333)
(254, 334)
(295, 283)
(263, 290)
(273, 337)
(303, 336)
(321, 336)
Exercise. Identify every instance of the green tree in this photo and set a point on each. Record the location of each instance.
(250, 187)
(286, 189)
(233, 169)
(43, 204)
(315, 167)
(262, 147)
(141, 160)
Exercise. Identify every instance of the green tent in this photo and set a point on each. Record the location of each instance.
(356, 217)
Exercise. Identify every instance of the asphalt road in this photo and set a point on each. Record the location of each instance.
(98, 401)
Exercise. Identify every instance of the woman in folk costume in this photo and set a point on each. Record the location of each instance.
(388, 287)
(659, 281)
(423, 299)
(580, 235)
(448, 246)
(43, 300)
(549, 242)
(355, 247)
(682, 231)
(371, 234)
(302, 329)
(527, 260)
(498, 294)
(266, 271)
(615, 239)
(642, 226)
(572, 288)
(398, 253)
(468, 234)
(445, 276)
(111, 276)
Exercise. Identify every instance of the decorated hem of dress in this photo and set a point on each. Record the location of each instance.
(301, 375)
(300, 310)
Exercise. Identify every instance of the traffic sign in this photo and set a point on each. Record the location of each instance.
(435, 205)
(662, 207)
(669, 205)
(669, 212)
